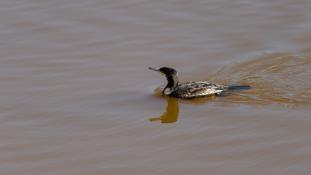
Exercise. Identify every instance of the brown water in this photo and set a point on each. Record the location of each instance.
(77, 97)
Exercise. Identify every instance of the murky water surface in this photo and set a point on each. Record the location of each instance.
(77, 97)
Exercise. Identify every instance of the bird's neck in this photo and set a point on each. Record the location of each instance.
(172, 83)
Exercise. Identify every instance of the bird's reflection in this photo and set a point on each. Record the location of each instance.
(171, 113)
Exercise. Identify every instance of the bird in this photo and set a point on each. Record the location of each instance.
(191, 89)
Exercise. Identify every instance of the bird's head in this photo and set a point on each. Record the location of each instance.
(167, 71)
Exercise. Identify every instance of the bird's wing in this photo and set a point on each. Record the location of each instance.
(195, 89)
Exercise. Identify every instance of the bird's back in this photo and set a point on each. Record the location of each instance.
(197, 89)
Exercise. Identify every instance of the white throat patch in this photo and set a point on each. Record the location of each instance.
(167, 91)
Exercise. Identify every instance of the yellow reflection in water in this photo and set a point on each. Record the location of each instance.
(171, 113)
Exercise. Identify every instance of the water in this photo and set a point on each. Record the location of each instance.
(77, 97)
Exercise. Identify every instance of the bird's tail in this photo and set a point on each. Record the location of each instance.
(239, 87)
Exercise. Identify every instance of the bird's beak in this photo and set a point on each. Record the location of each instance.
(154, 69)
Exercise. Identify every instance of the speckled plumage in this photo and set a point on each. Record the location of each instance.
(196, 89)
